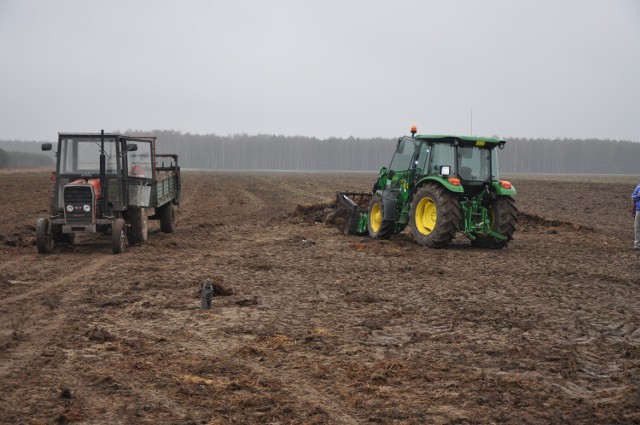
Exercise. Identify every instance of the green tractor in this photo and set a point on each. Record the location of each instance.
(438, 186)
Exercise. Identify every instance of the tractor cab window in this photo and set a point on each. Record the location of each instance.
(442, 154)
(423, 158)
(140, 160)
(402, 158)
(82, 156)
(474, 164)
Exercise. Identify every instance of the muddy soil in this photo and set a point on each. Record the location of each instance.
(310, 326)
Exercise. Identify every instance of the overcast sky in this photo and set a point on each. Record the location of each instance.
(528, 68)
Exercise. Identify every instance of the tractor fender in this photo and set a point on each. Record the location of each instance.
(502, 191)
(437, 179)
(390, 211)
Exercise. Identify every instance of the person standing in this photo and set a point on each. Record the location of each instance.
(636, 206)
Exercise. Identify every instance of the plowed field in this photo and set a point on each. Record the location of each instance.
(317, 327)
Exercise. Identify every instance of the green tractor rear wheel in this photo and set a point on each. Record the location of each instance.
(435, 216)
(377, 226)
(502, 213)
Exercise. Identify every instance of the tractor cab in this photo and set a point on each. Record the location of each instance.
(82, 179)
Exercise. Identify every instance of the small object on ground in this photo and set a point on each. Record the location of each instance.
(206, 294)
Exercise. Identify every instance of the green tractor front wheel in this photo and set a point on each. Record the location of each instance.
(435, 216)
(376, 224)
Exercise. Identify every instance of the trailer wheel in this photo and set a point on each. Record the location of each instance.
(377, 226)
(502, 213)
(139, 222)
(167, 215)
(118, 236)
(435, 216)
(44, 239)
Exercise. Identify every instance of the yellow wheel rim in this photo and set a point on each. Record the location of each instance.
(375, 217)
(426, 216)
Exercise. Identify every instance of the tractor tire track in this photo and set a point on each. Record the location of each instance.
(38, 328)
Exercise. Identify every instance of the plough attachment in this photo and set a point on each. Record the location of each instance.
(354, 206)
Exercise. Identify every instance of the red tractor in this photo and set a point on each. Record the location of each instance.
(112, 184)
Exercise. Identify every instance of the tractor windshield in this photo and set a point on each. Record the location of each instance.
(81, 155)
(474, 163)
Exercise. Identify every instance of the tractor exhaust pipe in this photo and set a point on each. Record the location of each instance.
(103, 177)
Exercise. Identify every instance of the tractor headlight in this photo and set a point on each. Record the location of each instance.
(87, 208)
(69, 208)
(445, 170)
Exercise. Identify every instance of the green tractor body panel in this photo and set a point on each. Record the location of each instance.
(442, 181)
(462, 171)
(503, 191)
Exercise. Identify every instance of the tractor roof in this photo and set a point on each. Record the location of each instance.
(89, 135)
(468, 139)
(107, 135)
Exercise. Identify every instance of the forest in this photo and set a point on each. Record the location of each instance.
(277, 152)
(18, 159)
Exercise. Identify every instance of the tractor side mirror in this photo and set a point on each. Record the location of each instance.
(390, 175)
(46, 146)
(131, 148)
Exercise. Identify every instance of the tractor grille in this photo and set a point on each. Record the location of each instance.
(78, 197)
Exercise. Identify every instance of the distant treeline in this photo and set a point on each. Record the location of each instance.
(10, 159)
(270, 152)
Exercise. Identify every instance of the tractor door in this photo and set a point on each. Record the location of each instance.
(140, 172)
(396, 191)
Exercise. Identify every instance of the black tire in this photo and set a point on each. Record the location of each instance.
(118, 236)
(167, 214)
(139, 225)
(351, 220)
(503, 216)
(435, 216)
(44, 238)
(376, 224)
